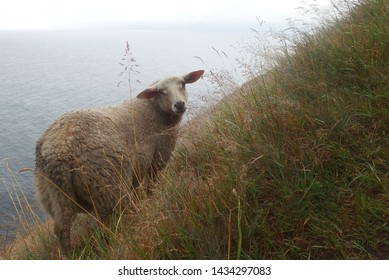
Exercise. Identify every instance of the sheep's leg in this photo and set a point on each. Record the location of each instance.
(62, 229)
(150, 180)
(157, 165)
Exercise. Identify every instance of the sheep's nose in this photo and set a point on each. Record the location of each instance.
(180, 107)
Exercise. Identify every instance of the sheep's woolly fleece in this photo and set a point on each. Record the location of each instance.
(89, 160)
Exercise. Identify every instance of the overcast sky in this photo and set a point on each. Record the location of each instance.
(70, 14)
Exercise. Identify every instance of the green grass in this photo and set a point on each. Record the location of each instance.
(293, 165)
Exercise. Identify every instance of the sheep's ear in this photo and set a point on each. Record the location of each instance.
(193, 76)
(148, 93)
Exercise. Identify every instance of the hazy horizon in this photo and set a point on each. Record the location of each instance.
(147, 14)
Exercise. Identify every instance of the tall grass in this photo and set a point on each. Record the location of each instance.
(292, 165)
(130, 69)
(26, 218)
(295, 164)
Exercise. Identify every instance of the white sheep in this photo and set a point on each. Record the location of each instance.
(88, 160)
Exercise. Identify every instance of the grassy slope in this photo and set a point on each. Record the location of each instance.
(292, 166)
(295, 165)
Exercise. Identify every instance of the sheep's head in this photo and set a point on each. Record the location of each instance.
(170, 93)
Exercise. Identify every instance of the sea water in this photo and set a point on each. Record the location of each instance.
(46, 73)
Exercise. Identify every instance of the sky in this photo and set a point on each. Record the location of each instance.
(73, 14)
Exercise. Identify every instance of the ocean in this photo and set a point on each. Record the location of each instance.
(46, 73)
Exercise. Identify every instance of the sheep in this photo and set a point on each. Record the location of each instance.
(86, 158)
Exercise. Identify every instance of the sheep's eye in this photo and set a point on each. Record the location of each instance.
(183, 86)
(163, 92)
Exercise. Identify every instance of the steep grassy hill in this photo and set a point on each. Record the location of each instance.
(294, 165)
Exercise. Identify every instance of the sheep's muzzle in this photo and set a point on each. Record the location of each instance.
(179, 107)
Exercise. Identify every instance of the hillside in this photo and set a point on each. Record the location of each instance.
(293, 165)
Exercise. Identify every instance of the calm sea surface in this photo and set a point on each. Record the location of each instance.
(46, 73)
